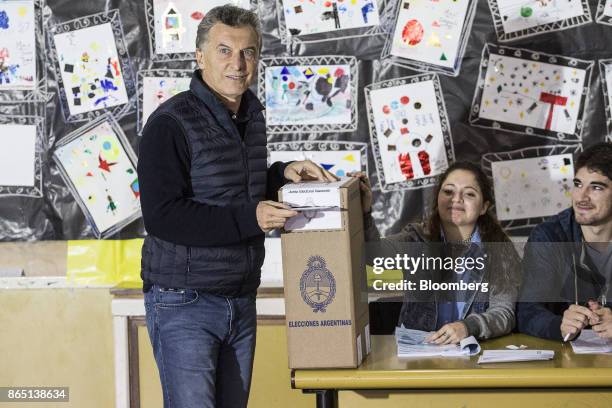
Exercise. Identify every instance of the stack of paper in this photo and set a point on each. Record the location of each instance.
(506, 356)
(411, 343)
(589, 343)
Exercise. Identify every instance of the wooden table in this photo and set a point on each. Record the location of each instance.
(590, 375)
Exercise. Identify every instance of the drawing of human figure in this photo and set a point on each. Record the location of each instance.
(7, 72)
(11, 73)
(112, 206)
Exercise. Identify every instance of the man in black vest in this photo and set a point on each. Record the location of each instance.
(204, 182)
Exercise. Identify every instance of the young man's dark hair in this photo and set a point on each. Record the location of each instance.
(597, 158)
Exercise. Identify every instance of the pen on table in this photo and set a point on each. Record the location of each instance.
(566, 338)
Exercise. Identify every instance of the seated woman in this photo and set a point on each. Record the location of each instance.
(462, 224)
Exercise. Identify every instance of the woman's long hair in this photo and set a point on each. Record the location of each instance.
(489, 227)
(503, 259)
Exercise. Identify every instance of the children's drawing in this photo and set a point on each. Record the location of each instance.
(93, 66)
(605, 72)
(90, 69)
(409, 130)
(317, 16)
(20, 165)
(99, 167)
(18, 45)
(430, 35)
(516, 19)
(604, 12)
(22, 74)
(156, 87)
(173, 25)
(530, 184)
(317, 93)
(339, 158)
(536, 187)
(533, 93)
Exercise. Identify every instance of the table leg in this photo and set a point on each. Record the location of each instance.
(325, 398)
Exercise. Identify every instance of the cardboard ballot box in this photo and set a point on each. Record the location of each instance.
(326, 303)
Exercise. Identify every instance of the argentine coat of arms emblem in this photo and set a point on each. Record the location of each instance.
(317, 285)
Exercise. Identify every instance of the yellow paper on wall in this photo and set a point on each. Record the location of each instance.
(104, 262)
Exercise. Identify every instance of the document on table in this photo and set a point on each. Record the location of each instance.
(589, 343)
(508, 356)
(411, 343)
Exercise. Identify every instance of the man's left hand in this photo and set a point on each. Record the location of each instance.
(307, 170)
(604, 328)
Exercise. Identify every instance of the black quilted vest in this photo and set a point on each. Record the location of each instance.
(225, 170)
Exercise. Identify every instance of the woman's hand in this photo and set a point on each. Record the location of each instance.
(366, 190)
(451, 333)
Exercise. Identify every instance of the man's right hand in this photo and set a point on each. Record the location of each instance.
(271, 215)
(575, 319)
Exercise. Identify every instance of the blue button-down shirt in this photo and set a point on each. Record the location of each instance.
(449, 312)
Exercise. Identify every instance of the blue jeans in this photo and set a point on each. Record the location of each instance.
(203, 345)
